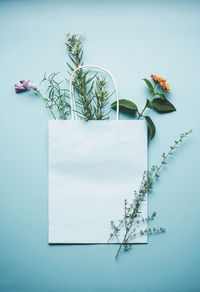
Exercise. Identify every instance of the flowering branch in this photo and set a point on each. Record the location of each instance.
(56, 99)
(157, 102)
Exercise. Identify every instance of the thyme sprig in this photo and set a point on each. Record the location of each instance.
(126, 228)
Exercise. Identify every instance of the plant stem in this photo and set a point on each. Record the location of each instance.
(47, 105)
(132, 210)
(142, 112)
(153, 93)
(122, 243)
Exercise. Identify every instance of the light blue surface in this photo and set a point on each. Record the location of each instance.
(132, 39)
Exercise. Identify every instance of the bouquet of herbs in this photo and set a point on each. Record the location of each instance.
(92, 91)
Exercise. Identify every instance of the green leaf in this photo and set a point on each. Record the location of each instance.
(72, 69)
(162, 96)
(151, 126)
(148, 83)
(126, 104)
(162, 106)
(90, 79)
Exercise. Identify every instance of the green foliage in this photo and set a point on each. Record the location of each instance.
(157, 102)
(151, 126)
(91, 89)
(161, 95)
(162, 105)
(74, 47)
(92, 92)
(148, 83)
(101, 98)
(127, 104)
(127, 227)
(57, 97)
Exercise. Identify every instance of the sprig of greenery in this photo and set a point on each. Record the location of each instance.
(126, 228)
(101, 98)
(157, 101)
(57, 96)
(92, 90)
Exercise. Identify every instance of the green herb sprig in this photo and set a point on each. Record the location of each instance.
(57, 97)
(91, 89)
(126, 228)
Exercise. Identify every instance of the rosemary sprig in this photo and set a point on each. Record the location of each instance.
(126, 226)
(92, 90)
(101, 97)
(57, 96)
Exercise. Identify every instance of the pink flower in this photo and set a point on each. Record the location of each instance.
(19, 88)
(28, 84)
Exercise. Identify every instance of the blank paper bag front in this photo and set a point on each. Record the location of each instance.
(93, 167)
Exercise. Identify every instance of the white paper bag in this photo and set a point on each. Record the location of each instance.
(93, 167)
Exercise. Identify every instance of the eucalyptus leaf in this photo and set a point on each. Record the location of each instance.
(151, 127)
(148, 83)
(125, 104)
(162, 106)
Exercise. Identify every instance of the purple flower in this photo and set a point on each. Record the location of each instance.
(28, 84)
(19, 88)
(24, 85)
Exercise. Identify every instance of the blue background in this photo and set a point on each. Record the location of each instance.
(132, 39)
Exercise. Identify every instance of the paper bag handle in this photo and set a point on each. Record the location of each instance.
(71, 89)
